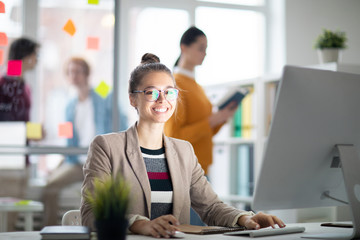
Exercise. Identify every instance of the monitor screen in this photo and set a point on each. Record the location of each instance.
(314, 111)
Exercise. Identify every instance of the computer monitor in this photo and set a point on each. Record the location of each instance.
(317, 113)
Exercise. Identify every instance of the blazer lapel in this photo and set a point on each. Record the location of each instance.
(176, 177)
(136, 161)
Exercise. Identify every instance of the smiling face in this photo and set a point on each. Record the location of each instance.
(160, 110)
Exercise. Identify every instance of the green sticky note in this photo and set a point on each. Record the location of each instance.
(22, 203)
(93, 1)
(103, 89)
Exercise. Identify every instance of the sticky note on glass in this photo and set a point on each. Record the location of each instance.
(65, 130)
(33, 130)
(14, 67)
(93, 1)
(1, 56)
(3, 39)
(2, 7)
(103, 89)
(93, 43)
(69, 27)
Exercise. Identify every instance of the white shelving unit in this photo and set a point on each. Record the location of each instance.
(221, 173)
(222, 166)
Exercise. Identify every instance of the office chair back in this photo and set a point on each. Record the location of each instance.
(72, 218)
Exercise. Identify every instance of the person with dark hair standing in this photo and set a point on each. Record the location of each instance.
(15, 105)
(163, 172)
(15, 94)
(194, 120)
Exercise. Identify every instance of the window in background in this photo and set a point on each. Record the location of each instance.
(92, 40)
(236, 43)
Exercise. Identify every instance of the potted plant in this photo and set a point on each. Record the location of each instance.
(110, 201)
(329, 45)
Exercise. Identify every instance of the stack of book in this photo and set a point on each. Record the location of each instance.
(65, 232)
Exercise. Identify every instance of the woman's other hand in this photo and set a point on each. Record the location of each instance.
(260, 220)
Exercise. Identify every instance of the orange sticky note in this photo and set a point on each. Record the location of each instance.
(14, 68)
(33, 130)
(65, 130)
(93, 43)
(69, 27)
(2, 7)
(3, 39)
(93, 1)
(1, 56)
(102, 89)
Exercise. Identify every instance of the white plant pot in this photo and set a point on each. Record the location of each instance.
(329, 55)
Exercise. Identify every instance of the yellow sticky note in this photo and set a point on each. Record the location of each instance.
(2, 7)
(33, 130)
(103, 89)
(69, 27)
(93, 1)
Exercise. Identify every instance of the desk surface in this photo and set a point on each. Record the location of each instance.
(310, 228)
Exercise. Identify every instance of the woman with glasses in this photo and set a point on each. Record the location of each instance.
(163, 172)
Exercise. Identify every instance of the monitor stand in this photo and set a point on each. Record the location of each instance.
(350, 166)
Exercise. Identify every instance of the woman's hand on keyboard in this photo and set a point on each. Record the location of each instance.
(260, 220)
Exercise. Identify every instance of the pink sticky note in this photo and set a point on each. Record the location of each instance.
(93, 43)
(2, 7)
(1, 56)
(65, 130)
(14, 68)
(3, 39)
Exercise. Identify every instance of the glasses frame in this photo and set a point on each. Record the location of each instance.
(160, 91)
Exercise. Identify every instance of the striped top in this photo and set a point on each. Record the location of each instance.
(160, 182)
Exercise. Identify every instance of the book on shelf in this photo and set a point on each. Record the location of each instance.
(270, 96)
(65, 232)
(202, 230)
(245, 170)
(234, 95)
(243, 118)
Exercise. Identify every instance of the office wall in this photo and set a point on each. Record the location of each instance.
(305, 20)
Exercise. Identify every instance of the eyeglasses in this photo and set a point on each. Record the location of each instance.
(152, 94)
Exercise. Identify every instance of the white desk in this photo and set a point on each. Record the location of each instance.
(311, 228)
(13, 205)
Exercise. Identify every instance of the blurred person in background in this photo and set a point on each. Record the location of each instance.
(90, 115)
(15, 105)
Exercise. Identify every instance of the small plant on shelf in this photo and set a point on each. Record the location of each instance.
(331, 39)
(329, 45)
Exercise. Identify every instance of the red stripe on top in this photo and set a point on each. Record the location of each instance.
(158, 175)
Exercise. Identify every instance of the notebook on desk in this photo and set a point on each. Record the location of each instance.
(192, 229)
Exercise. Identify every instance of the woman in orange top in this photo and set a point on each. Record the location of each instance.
(194, 120)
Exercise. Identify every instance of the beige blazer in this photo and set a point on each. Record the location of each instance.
(120, 152)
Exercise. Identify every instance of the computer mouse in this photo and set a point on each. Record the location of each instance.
(178, 234)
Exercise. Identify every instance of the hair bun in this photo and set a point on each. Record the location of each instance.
(149, 58)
